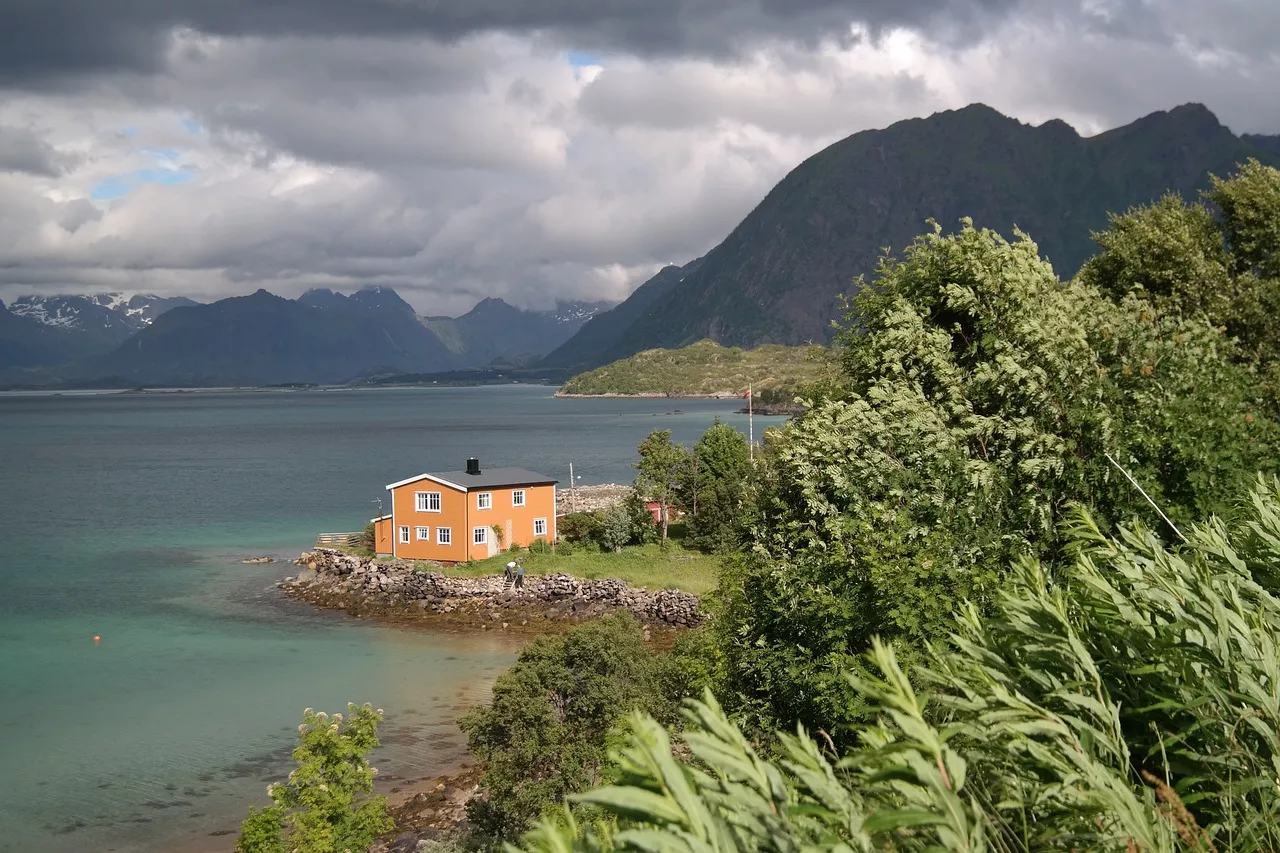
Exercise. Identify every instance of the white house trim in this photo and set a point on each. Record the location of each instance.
(430, 477)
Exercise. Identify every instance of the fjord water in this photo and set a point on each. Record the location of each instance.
(127, 515)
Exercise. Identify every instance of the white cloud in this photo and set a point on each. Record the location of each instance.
(512, 166)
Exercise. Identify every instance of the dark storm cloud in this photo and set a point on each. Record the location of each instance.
(42, 41)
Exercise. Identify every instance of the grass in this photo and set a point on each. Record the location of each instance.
(704, 367)
(640, 565)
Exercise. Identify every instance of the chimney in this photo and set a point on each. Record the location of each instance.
(473, 465)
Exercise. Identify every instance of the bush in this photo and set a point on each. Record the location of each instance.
(325, 806)
(1133, 707)
(547, 730)
(540, 546)
(369, 541)
(579, 527)
(615, 531)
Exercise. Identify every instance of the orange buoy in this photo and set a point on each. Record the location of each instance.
(96, 638)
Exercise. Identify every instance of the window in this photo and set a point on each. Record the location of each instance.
(517, 497)
(539, 527)
(428, 501)
(480, 536)
(484, 500)
(424, 534)
(444, 536)
(404, 534)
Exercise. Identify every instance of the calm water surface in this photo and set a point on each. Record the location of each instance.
(127, 516)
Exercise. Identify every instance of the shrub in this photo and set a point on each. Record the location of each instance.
(324, 806)
(369, 541)
(546, 732)
(580, 527)
(615, 531)
(1133, 707)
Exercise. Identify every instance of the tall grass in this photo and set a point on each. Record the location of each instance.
(1131, 705)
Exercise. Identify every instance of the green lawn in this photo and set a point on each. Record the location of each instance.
(644, 565)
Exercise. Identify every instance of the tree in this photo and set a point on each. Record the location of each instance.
(546, 731)
(981, 399)
(616, 530)
(660, 470)
(325, 806)
(714, 489)
(1131, 708)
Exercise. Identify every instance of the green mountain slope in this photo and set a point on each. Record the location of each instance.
(702, 369)
(777, 276)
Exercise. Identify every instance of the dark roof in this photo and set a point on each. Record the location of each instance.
(489, 478)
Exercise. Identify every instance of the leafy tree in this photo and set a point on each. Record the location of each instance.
(981, 399)
(547, 730)
(325, 806)
(616, 530)
(662, 466)
(714, 489)
(579, 527)
(1131, 708)
(1218, 263)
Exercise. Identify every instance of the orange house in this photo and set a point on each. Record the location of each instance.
(456, 516)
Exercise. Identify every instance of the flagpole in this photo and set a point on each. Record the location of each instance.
(751, 431)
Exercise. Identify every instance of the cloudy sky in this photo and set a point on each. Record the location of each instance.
(527, 149)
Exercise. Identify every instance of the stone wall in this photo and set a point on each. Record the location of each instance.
(332, 578)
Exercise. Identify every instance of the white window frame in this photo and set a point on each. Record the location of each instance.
(480, 535)
(484, 500)
(424, 500)
(517, 497)
(422, 534)
(444, 535)
(404, 534)
(536, 531)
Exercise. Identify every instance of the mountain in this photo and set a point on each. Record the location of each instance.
(494, 331)
(75, 326)
(600, 333)
(264, 339)
(1267, 143)
(777, 276)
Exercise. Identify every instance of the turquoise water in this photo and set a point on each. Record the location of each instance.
(127, 516)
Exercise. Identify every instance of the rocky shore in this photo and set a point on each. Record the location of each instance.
(399, 591)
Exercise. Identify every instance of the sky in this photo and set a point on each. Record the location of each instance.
(525, 149)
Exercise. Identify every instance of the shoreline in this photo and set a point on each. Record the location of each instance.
(653, 395)
(399, 593)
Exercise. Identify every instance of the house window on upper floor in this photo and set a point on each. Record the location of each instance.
(404, 534)
(539, 527)
(517, 497)
(480, 536)
(424, 534)
(484, 500)
(444, 535)
(428, 501)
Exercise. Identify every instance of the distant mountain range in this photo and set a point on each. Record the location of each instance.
(263, 339)
(777, 276)
(775, 279)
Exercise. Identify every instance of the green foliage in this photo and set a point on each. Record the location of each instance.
(661, 471)
(579, 527)
(325, 806)
(1132, 707)
(547, 731)
(982, 396)
(369, 539)
(701, 368)
(615, 529)
(715, 488)
(1219, 265)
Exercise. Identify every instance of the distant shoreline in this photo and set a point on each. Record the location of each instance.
(656, 395)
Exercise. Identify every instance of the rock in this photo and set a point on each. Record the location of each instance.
(406, 842)
(256, 560)
(307, 576)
